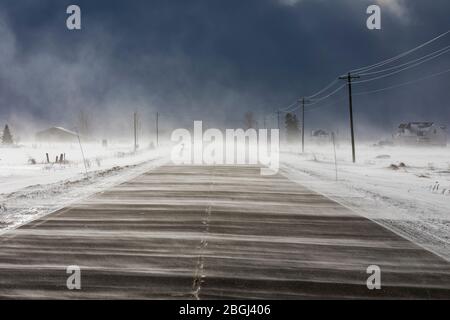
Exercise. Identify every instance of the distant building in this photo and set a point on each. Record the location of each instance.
(421, 133)
(56, 134)
(320, 136)
(320, 133)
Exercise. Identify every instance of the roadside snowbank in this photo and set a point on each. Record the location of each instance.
(30, 191)
(405, 189)
(17, 170)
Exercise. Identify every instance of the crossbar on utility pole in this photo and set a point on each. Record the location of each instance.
(349, 77)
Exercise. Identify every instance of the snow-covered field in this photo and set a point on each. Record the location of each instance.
(404, 189)
(17, 172)
(29, 191)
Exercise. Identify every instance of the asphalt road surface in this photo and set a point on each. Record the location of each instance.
(207, 232)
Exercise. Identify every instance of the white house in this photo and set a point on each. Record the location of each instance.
(421, 133)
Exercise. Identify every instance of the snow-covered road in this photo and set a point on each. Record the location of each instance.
(213, 232)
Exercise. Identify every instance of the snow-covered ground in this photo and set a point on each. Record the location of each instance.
(17, 172)
(405, 189)
(29, 191)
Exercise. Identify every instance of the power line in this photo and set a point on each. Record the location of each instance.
(442, 51)
(365, 72)
(401, 70)
(325, 105)
(403, 84)
(323, 90)
(327, 96)
(380, 90)
(384, 62)
(291, 108)
(295, 106)
(409, 64)
(288, 107)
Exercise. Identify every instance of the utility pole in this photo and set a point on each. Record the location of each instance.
(349, 77)
(278, 119)
(157, 129)
(278, 124)
(135, 131)
(303, 101)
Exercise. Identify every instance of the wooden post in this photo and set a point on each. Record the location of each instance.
(157, 129)
(48, 159)
(335, 157)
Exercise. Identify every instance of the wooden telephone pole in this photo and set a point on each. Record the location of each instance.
(349, 77)
(303, 101)
(278, 119)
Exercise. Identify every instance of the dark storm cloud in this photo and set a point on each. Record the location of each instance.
(211, 59)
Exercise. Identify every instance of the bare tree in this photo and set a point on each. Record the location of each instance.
(249, 121)
(292, 128)
(7, 137)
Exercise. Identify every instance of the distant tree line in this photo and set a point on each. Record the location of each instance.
(291, 123)
(7, 138)
(292, 129)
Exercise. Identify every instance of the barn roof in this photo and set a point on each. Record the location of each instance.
(56, 130)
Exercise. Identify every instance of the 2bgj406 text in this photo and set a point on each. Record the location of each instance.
(246, 310)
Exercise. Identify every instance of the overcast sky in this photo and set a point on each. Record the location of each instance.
(214, 60)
